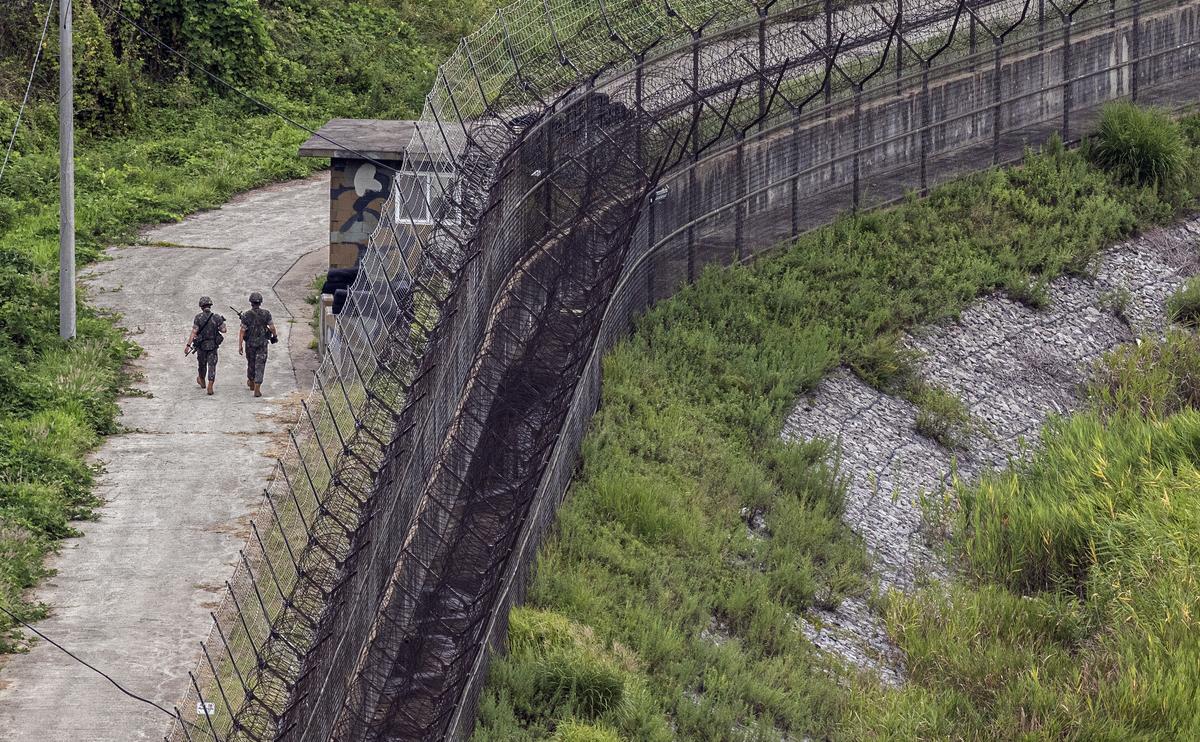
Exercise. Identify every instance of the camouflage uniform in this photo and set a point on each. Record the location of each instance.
(257, 336)
(205, 343)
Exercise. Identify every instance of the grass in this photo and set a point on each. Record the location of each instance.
(1184, 305)
(1078, 617)
(313, 299)
(653, 550)
(887, 365)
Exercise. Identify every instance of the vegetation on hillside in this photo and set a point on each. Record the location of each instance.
(1077, 617)
(156, 140)
(692, 536)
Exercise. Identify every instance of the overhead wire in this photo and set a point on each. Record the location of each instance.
(86, 664)
(115, 10)
(28, 87)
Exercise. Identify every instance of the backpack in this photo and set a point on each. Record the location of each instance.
(210, 339)
(256, 320)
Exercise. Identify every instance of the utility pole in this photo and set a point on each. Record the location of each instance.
(66, 175)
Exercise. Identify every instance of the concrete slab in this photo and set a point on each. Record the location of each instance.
(132, 595)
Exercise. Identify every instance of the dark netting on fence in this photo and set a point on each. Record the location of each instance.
(593, 157)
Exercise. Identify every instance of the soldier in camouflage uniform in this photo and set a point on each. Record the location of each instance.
(257, 331)
(207, 329)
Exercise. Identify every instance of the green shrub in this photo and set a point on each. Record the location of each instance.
(1184, 305)
(1116, 301)
(943, 417)
(886, 365)
(557, 675)
(1155, 378)
(1141, 146)
(579, 681)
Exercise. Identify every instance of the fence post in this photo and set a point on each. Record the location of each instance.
(794, 181)
(1066, 83)
(639, 87)
(762, 67)
(740, 209)
(997, 46)
(1135, 50)
(828, 45)
(829, 94)
(857, 139)
(1041, 24)
(692, 185)
(972, 41)
(651, 236)
(925, 133)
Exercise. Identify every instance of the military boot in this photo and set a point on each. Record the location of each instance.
(210, 386)
(258, 390)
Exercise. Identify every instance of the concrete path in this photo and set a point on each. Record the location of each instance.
(133, 595)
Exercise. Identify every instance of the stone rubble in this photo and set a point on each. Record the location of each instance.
(1012, 367)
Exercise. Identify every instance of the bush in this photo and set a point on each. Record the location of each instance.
(1184, 305)
(1155, 378)
(558, 677)
(1190, 126)
(886, 365)
(579, 681)
(942, 417)
(1141, 146)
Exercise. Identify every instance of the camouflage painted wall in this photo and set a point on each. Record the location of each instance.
(357, 191)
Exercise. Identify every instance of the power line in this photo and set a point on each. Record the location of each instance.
(28, 86)
(256, 101)
(93, 668)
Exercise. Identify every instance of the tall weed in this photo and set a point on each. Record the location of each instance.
(1141, 146)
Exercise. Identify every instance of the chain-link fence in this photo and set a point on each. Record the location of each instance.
(601, 154)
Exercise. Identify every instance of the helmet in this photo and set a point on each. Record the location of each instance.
(205, 301)
(256, 298)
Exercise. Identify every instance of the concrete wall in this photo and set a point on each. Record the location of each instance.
(797, 174)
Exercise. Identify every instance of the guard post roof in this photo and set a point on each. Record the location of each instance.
(385, 139)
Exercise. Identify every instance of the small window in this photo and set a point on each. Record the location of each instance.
(420, 197)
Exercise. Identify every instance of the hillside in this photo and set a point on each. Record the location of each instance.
(666, 605)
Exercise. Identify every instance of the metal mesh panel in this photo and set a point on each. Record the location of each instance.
(591, 159)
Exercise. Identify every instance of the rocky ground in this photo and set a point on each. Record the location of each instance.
(1012, 367)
